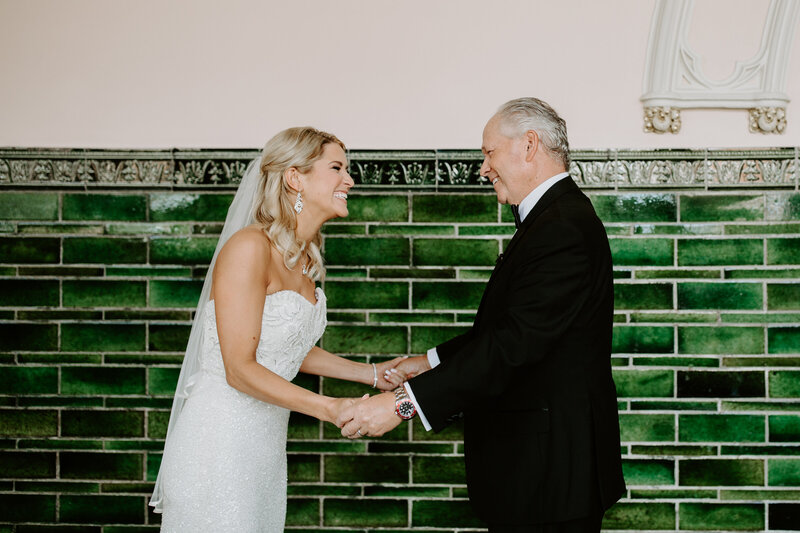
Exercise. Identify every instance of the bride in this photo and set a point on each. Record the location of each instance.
(259, 317)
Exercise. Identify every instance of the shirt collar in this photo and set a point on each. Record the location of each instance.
(527, 205)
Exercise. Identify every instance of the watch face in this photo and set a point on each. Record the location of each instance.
(406, 409)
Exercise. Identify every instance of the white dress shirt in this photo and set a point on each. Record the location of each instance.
(525, 207)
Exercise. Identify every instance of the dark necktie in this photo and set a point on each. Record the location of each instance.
(515, 212)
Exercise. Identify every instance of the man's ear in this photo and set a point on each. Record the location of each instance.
(292, 179)
(532, 145)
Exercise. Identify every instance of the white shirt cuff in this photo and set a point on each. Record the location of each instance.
(419, 411)
(433, 357)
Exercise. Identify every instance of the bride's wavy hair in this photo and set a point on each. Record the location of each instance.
(274, 210)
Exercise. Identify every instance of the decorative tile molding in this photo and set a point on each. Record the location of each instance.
(674, 78)
(398, 169)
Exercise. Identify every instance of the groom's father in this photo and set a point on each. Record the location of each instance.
(532, 376)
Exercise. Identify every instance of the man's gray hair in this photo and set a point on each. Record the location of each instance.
(523, 114)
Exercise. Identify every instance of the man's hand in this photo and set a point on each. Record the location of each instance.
(370, 417)
(413, 366)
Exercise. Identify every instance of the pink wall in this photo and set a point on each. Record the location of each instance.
(380, 74)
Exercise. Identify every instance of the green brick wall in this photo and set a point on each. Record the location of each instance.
(98, 282)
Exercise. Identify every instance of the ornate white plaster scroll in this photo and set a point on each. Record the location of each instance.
(674, 79)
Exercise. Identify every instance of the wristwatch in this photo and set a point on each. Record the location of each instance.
(403, 406)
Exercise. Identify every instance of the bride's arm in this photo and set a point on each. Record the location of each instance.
(322, 363)
(240, 277)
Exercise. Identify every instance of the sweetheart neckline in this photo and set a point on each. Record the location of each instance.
(315, 304)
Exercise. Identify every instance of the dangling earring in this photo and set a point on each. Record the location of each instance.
(298, 204)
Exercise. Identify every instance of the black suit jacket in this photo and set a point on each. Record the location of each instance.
(532, 376)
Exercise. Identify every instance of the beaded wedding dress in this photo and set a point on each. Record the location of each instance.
(224, 467)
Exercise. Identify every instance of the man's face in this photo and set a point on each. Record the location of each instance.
(503, 162)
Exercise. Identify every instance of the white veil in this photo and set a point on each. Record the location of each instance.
(240, 214)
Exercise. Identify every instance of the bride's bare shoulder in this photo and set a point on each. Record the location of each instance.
(248, 245)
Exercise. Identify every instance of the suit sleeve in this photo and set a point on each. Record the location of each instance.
(547, 290)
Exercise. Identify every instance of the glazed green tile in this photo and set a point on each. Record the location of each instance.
(720, 296)
(454, 208)
(407, 492)
(410, 229)
(146, 314)
(57, 228)
(761, 361)
(759, 450)
(28, 206)
(758, 406)
(784, 428)
(148, 272)
(643, 296)
(453, 432)
(169, 293)
(346, 273)
(365, 339)
(162, 380)
(182, 250)
(446, 295)
(28, 337)
(302, 512)
(29, 250)
(716, 517)
(91, 465)
(426, 337)
(303, 468)
(721, 428)
(720, 384)
(678, 274)
(81, 381)
(672, 494)
(675, 317)
(75, 423)
(168, 338)
(153, 465)
(366, 469)
(674, 451)
(126, 487)
(643, 339)
(720, 340)
(103, 509)
(18, 464)
(440, 513)
(27, 508)
(28, 423)
(96, 293)
(138, 403)
(783, 206)
(505, 229)
(678, 229)
(102, 337)
(55, 314)
(58, 401)
(721, 472)
(94, 206)
(635, 207)
(643, 383)
(189, 206)
(456, 252)
(417, 273)
(344, 229)
(355, 446)
(368, 294)
(760, 495)
(648, 472)
(784, 384)
(784, 340)
(465, 317)
(761, 229)
(707, 207)
(365, 513)
(143, 228)
(322, 490)
(53, 271)
(647, 428)
(784, 472)
(783, 251)
(641, 252)
(694, 252)
(57, 486)
(783, 296)
(617, 230)
(26, 292)
(468, 273)
(665, 405)
(377, 207)
(108, 250)
(437, 317)
(339, 316)
(367, 251)
(157, 422)
(760, 318)
(762, 273)
(28, 380)
(433, 469)
(677, 361)
(640, 516)
(379, 446)
(622, 274)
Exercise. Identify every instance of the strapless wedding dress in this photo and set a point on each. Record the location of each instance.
(225, 466)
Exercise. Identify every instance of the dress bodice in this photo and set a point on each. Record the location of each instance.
(290, 326)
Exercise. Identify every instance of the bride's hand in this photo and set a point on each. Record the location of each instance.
(389, 376)
(413, 366)
(341, 409)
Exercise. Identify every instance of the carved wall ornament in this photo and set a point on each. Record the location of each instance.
(674, 78)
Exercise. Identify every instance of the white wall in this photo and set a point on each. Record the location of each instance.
(378, 73)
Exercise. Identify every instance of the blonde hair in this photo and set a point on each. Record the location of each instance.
(274, 210)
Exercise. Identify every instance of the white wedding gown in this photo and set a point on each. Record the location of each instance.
(225, 466)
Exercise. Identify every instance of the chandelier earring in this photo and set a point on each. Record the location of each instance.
(298, 204)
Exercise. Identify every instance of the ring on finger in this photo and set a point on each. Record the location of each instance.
(359, 433)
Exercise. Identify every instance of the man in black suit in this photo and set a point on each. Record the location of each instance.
(532, 376)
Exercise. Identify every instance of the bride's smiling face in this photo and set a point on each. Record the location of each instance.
(326, 186)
